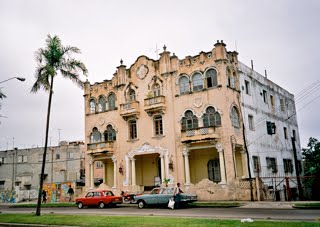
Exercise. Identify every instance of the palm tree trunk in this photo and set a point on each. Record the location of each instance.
(45, 150)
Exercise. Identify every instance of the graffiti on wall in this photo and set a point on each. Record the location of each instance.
(57, 192)
(8, 196)
(27, 195)
(51, 190)
(64, 197)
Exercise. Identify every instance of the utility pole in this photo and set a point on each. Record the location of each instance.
(59, 129)
(293, 140)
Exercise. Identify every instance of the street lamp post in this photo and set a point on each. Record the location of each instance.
(18, 78)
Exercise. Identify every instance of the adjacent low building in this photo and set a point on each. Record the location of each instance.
(20, 171)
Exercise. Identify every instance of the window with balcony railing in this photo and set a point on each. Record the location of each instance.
(110, 134)
(156, 90)
(189, 121)
(95, 136)
(211, 117)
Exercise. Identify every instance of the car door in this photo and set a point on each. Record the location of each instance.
(164, 195)
(96, 198)
(88, 199)
(107, 197)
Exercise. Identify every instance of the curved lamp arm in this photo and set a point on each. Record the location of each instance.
(18, 78)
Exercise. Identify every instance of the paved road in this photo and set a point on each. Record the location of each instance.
(217, 213)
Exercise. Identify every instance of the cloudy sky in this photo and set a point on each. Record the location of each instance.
(280, 36)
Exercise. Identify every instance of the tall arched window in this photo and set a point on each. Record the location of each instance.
(228, 77)
(95, 136)
(184, 85)
(92, 106)
(189, 121)
(197, 82)
(211, 117)
(233, 81)
(110, 134)
(111, 102)
(132, 95)
(158, 125)
(102, 104)
(156, 90)
(235, 120)
(214, 170)
(211, 78)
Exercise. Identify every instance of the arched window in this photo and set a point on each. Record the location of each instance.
(92, 106)
(132, 95)
(110, 134)
(214, 170)
(95, 136)
(132, 129)
(189, 121)
(211, 78)
(228, 77)
(197, 82)
(102, 104)
(184, 85)
(111, 102)
(156, 90)
(211, 117)
(235, 121)
(158, 125)
(233, 81)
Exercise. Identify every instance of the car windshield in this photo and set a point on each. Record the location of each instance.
(108, 193)
(155, 191)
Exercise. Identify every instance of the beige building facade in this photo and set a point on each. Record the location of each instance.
(169, 119)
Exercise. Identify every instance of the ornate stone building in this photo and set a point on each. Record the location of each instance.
(177, 119)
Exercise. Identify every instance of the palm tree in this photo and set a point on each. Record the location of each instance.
(51, 60)
(2, 95)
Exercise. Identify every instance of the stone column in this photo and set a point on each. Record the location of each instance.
(222, 168)
(133, 172)
(166, 164)
(104, 175)
(114, 160)
(162, 168)
(186, 166)
(91, 173)
(221, 162)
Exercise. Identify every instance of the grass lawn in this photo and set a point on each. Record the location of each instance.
(92, 221)
(307, 205)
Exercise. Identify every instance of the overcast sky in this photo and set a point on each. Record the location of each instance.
(281, 36)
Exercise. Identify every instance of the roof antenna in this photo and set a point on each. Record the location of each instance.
(265, 73)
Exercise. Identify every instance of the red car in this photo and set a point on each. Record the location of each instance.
(100, 198)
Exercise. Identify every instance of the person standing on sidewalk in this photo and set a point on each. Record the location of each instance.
(44, 196)
(70, 193)
(176, 195)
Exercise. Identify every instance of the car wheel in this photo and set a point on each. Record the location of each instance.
(101, 205)
(80, 205)
(141, 204)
